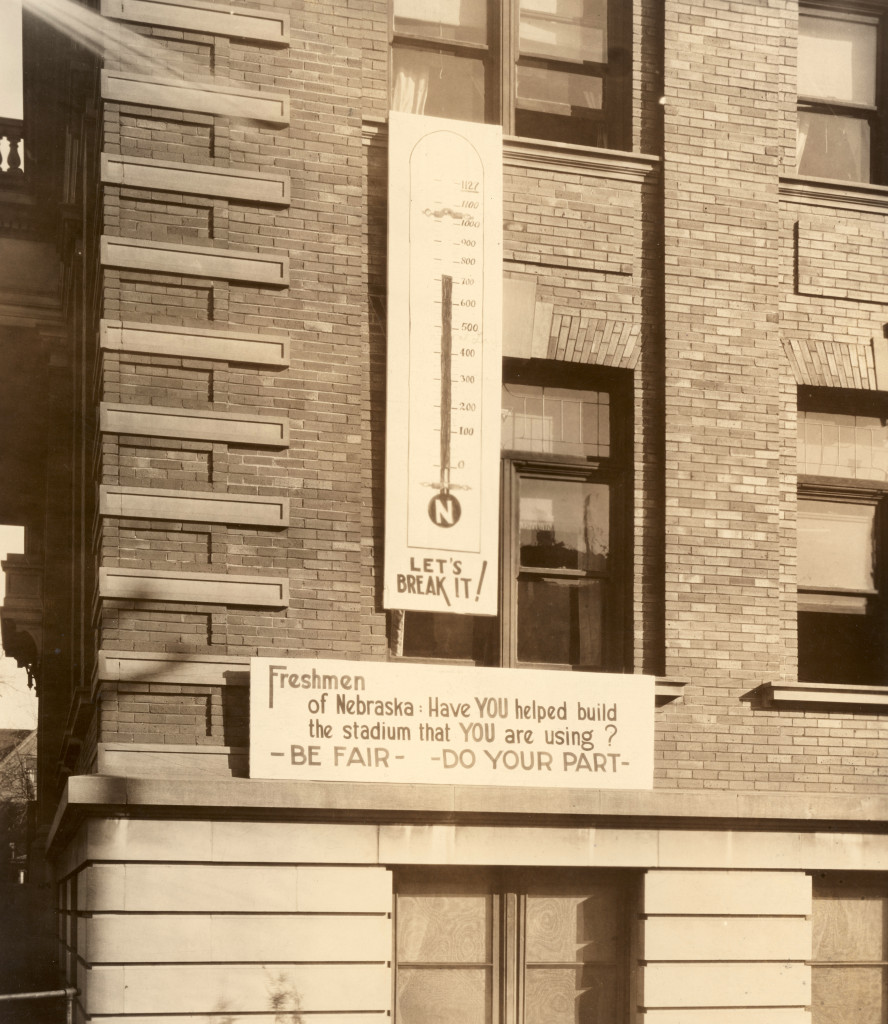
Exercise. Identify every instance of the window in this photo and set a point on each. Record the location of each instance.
(849, 975)
(842, 511)
(535, 947)
(11, 60)
(564, 519)
(841, 96)
(546, 69)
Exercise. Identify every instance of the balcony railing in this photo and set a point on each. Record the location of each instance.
(12, 153)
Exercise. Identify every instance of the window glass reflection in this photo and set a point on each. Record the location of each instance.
(836, 545)
(574, 30)
(556, 421)
(458, 20)
(438, 84)
(837, 60)
(564, 524)
(832, 146)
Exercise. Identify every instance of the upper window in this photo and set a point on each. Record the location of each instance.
(11, 60)
(539, 947)
(849, 974)
(841, 96)
(546, 69)
(842, 522)
(563, 521)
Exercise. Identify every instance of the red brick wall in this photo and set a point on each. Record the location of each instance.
(695, 254)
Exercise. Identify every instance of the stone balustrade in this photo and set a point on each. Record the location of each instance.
(12, 152)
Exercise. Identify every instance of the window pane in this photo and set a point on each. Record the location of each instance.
(579, 928)
(840, 649)
(848, 995)
(438, 84)
(556, 421)
(456, 995)
(560, 622)
(441, 635)
(564, 524)
(832, 444)
(570, 995)
(837, 60)
(831, 146)
(850, 928)
(559, 92)
(458, 20)
(836, 547)
(444, 929)
(578, 131)
(569, 29)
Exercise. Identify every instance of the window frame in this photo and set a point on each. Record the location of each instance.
(614, 470)
(508, 889)
(828, 490)
(875, 115)
(861, 491)
(518, 465)
(502, 57)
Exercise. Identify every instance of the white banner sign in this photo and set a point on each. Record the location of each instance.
(444, 365)
(353, 721)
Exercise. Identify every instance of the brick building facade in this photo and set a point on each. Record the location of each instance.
(694, 238)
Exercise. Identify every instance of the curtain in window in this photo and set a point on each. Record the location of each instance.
(411, 87)
(801, 141)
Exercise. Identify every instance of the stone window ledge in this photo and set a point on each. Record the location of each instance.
(539, 154)
(667, 690)
(821, 694)
(835, 195)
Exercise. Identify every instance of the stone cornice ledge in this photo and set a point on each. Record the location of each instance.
(193, 424)
(193, 506)
(539, 154)
(195, 179)
(264, 349)
(835, 195)
(98, 794)
(222, 98)
(194, 260)
(194, 588)
(200, 16)
(163, 668)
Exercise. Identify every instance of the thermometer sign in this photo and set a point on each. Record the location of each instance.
(444, 365)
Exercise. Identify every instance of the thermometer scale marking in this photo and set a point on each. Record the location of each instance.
(447, 239)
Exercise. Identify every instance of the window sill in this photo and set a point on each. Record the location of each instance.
(837, 195)
(665, 690)
(841, 696)
(539, 154)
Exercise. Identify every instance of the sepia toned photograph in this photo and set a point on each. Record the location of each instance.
(444, 511)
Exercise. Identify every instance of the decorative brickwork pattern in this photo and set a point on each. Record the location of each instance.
(577, 339)
(841, 258)
(831, 364)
